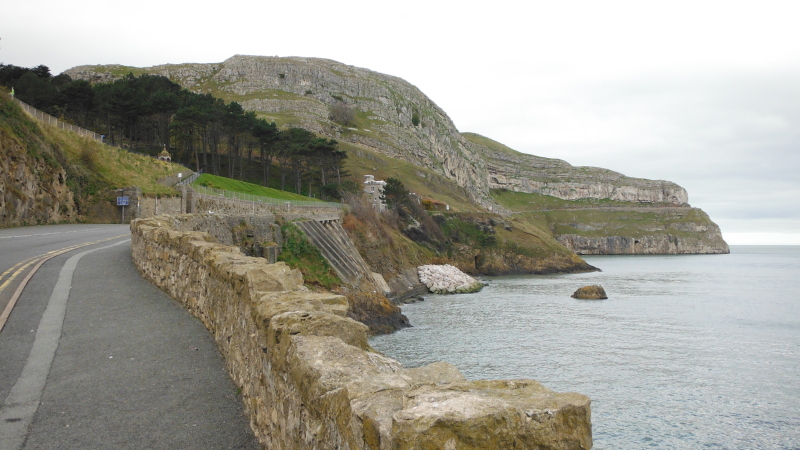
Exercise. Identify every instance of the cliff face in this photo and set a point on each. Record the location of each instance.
(634, 231)
(390, 116)
(395, 118)
(33, 188)
(509, 169)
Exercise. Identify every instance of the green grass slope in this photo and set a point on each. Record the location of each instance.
(92, 170)
(228, 184)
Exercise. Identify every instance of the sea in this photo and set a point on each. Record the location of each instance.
(688, 352)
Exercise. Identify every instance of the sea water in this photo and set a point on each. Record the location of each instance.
(689, 351)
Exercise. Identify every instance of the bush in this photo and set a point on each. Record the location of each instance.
(343, 114)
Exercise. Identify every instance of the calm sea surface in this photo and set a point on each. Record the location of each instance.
(696, 351)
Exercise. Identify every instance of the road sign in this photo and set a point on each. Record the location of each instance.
(122, 201)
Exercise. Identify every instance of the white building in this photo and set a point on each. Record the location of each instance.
(374, 189)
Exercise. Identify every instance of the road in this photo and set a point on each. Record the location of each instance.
(93, 356)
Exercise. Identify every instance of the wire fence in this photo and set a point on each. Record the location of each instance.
(48, 119)
(268, 200)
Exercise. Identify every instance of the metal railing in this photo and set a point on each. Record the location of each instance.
(267, 200)
(190, 179)
(48, 119)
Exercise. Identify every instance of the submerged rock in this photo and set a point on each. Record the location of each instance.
(595, 292)
(447, 279)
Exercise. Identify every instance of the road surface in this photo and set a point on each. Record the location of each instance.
(93, 356)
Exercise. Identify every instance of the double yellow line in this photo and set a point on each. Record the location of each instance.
(11, 274)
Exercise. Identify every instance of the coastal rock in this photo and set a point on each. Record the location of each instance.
(595, 292)
(447, 279)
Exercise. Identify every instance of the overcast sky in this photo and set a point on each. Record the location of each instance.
(702, 93)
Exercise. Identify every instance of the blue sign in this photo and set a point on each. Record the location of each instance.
(122, 201)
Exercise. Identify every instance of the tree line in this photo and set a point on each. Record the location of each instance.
(148, 113)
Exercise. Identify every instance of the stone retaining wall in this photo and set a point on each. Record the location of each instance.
(202, 204)
(309, 378)
(154, 206)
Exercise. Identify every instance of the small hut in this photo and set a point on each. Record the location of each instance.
(164, 155)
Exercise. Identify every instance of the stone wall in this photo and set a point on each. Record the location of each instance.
(202, 204)
(154, 206)
(309, 378)
(190, 201)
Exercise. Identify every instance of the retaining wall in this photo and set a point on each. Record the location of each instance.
(202, 204)
(309, 378)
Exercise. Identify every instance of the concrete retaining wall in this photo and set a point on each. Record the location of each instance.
(309, 378)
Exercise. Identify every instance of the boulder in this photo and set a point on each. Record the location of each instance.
(595, 292)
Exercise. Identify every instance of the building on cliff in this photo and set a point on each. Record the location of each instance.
(374, 189)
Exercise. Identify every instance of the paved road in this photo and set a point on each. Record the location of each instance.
(93, 356)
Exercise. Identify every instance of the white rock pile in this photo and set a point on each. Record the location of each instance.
(446, 279)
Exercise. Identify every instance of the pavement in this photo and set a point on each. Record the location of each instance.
(92, 356)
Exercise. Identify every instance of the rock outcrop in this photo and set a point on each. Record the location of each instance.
(309, 378)
(33, 182)
(652, 232)
(594, 292)
(447, 279)
(509, 169)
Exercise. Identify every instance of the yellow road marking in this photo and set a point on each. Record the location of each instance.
(38, 260)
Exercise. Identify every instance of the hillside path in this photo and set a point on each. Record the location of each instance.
(93, 356)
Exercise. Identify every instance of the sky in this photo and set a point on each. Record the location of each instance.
(702, 93)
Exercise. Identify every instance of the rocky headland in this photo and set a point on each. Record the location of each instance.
(391, 117)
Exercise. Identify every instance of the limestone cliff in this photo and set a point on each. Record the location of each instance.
(390, 116)
(674, 231)
(510, 169)
(33, 188)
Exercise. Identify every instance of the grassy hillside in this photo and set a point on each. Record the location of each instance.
(419, 180)
(111, 167)
(228, 184)
(92, 170)
(524, 202)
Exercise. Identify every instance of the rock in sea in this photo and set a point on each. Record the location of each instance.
(595, 292)
(447, 279)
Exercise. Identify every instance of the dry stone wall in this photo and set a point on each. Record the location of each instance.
(309, 378)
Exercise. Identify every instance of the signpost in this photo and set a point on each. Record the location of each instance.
(123, 201)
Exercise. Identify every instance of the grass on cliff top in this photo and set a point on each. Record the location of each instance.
(600, 223)
(416, 179)
(523, 201)
(227, 184)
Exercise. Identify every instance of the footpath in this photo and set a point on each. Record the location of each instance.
(93, 357)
